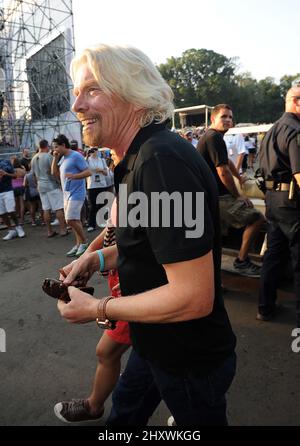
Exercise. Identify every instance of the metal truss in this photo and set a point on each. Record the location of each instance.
(36, 48)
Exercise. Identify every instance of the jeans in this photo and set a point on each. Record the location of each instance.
(193, 400)
(136, 396)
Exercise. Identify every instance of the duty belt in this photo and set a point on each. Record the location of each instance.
(274, 185)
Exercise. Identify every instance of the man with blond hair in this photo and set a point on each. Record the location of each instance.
(280, 165)
(169, 276)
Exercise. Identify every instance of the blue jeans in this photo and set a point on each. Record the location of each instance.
(136, 396)
(193, 400)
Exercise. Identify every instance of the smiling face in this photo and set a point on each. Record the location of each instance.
(102, 115)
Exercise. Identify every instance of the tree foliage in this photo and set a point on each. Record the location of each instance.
(201, 76)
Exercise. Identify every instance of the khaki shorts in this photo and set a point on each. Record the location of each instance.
(52, 200)
(234, 213)
(72, 209)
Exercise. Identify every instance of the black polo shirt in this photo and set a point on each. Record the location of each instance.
(280, 149)
(157, 161)
(213, 148)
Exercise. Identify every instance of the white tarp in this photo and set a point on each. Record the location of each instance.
(249, 129)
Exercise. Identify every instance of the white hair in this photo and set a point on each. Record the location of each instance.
(130, 74)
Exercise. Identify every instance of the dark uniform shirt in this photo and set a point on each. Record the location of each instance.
(157, 161)
(279, 160)
(213, 148)
(280, 149)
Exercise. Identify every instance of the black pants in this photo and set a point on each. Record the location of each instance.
(283, 238)
(94, 208)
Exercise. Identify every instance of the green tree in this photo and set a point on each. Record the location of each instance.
(286, 83)
(199, 77)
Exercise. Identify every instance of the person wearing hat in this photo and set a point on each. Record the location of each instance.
(188, 135)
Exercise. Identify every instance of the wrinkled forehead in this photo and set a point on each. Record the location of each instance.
(84, 76)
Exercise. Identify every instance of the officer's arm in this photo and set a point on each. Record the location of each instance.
(226, 177)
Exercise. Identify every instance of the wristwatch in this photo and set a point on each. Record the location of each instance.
(102, 320)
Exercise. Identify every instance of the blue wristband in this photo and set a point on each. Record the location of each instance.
(102, 261)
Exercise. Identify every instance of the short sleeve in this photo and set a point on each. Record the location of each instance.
(217, 149)
(9, 167)
(81, 163)
(294, 152)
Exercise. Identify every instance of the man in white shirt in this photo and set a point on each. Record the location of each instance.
(236, 149)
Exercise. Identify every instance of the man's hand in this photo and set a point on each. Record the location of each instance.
(70, 176)
(246, 201)
(81, 309)
(2, 173)
(79, 272)
(56, 154)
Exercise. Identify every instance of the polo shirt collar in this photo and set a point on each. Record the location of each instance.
(127, 164)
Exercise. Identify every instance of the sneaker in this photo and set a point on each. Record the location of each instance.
(90, 229)
(75, 411)
(171, 421)
(54, 222)
(20, 231)
(81, 249)
(12, 233)
(246, 268)
(73, 251)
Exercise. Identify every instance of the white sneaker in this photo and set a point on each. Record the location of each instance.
(90, 229)
(12, 233)
(54, 222)
(171, 421)
(20, 231)
(81, 249)
(73, 251)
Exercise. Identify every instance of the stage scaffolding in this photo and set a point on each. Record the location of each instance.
(36, 48)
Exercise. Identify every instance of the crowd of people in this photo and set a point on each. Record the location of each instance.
(166, 294)
(51, 188)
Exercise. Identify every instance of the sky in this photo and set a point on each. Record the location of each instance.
(263, 34)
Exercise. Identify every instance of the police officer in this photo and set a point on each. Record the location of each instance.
(280, 165)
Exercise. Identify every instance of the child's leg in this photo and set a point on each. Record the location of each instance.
(109, 353)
